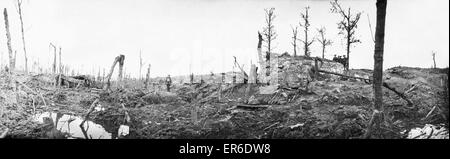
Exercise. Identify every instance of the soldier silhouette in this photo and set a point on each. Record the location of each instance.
(168, 82)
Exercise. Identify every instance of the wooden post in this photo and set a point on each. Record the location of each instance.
(12, 63)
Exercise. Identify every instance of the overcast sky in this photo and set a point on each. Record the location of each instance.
(181, 36)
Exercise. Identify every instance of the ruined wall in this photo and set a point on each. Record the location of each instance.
(285, 70)
(295, 71)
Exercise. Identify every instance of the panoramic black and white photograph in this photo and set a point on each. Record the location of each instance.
(224, 69)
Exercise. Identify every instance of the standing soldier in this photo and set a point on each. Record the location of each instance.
(335, 57)
(168, 83)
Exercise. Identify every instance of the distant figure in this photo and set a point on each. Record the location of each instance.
(341, 59)
(168, 82)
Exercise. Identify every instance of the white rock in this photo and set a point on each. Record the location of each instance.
(124, 130)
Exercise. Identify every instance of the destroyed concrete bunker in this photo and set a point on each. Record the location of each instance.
(285, 70)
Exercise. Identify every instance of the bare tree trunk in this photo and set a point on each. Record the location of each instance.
(60, 68)
(54, 58)
(121, 62)
(147, 79)
(347, 61)
(108, 78)
(270, 35)
(1, 61)
(306, 44)
(294, 39)
(19, 4)
(268, 65)
(305, 25)
(316, 69)
(323, 51)
(12, 63)
(295, 49)
(15, 57)
(377, 117)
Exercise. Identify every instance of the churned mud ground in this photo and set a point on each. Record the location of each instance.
(31, 107)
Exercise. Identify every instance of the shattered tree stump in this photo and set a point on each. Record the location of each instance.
(119, 59)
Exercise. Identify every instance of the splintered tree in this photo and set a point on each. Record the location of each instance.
(121, 62)
(60, 67)
(433, 53)
(377, 116)
(323, 40)
(54, 58)
(12, 60)
(347, 26)
(119, 59)
(19, 6)
(270, 35)
(305, 24)
(261, 62)
(294, 39)
(242, 70)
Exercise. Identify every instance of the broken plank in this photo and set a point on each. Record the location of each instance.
(246, 106)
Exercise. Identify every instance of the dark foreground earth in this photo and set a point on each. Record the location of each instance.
(31, 107)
